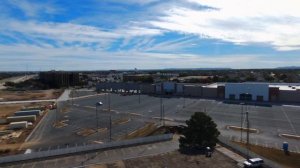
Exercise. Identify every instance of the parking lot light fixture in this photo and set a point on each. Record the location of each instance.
(97, 123)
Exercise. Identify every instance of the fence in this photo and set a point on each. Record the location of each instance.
(82, 149)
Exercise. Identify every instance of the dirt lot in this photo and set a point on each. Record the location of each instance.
(174, 160)
(8, 109)
(287, 161)
(29, 95)
(10, 146)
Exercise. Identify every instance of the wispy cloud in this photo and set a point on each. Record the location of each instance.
(112, 34)
(237, 21)
(34, 9)
(71, 58)
(82, 35)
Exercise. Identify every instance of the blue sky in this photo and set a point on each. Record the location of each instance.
(148, 34)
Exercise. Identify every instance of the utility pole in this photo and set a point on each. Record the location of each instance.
(248, 125)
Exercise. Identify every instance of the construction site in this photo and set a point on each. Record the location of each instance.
(17, 122)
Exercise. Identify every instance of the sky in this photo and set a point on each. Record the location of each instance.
(148, 34)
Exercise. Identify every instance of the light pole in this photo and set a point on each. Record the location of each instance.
(242, 113)
(161, 108)
(97, 123)
(163, 114)
(108, 99)
(72, 96)
(56, 113)
(248, 125)
(139, 94)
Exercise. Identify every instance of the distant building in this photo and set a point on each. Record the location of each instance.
(59, 79)
(144, 78)
(247, 91)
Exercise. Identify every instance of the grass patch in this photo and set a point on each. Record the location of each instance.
(288, 161)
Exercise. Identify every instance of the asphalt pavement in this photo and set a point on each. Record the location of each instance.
(270, 121)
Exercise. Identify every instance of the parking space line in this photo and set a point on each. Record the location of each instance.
(288, 119)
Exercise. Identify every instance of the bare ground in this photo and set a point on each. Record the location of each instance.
(29, 95)
(8, 109)
(174, 160)
(287, 161)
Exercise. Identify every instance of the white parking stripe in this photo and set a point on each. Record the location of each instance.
(288, 119)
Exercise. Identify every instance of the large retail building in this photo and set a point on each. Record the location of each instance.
(248, 91)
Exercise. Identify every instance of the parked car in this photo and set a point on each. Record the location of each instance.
(254, 162)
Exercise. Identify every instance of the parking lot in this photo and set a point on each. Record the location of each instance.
(271, 121)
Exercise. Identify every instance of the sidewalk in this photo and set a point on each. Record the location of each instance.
(234, 156)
